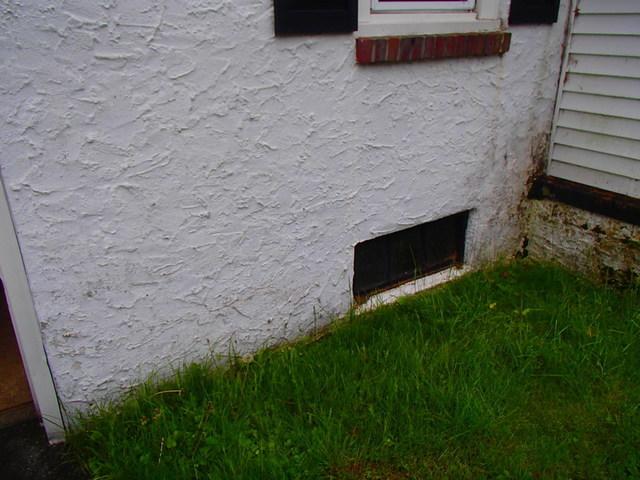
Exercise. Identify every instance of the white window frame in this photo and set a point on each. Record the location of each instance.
(387, 6)
(485, 17)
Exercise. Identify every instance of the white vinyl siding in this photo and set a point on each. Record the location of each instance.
(596, 135)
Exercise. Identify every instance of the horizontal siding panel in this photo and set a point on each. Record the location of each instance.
(626, 67)
(622, 147)
(604, 124)
(611, 45)
(607, 24)
(609, 6)
(603, 85)
(616, 107)
(603, 162)
(595, 178)
(596, 137)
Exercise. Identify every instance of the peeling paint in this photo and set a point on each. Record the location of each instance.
(598, 246)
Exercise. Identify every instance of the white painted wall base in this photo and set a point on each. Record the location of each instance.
(181, 179)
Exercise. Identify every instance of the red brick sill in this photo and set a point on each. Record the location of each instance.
(430, 47)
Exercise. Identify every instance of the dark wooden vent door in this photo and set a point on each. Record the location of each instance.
(398, 257)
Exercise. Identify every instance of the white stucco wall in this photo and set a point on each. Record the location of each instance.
(179, 177)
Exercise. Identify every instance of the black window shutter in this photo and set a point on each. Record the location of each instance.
(315, 16)
(525, 12)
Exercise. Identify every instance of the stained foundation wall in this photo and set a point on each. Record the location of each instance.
(598, 246)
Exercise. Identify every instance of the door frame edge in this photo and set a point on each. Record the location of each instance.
(26, 325)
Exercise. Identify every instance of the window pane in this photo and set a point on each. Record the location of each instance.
(416, 5)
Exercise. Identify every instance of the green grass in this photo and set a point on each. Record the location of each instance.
(519, 371)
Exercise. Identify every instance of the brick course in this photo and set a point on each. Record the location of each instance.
(431, 47)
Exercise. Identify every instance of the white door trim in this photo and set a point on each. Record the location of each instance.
(26, 325)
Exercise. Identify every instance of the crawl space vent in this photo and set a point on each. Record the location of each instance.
(395, 258)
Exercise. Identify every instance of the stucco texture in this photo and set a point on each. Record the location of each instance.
(181, 180)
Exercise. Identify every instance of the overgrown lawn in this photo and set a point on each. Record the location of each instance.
(519, 371)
